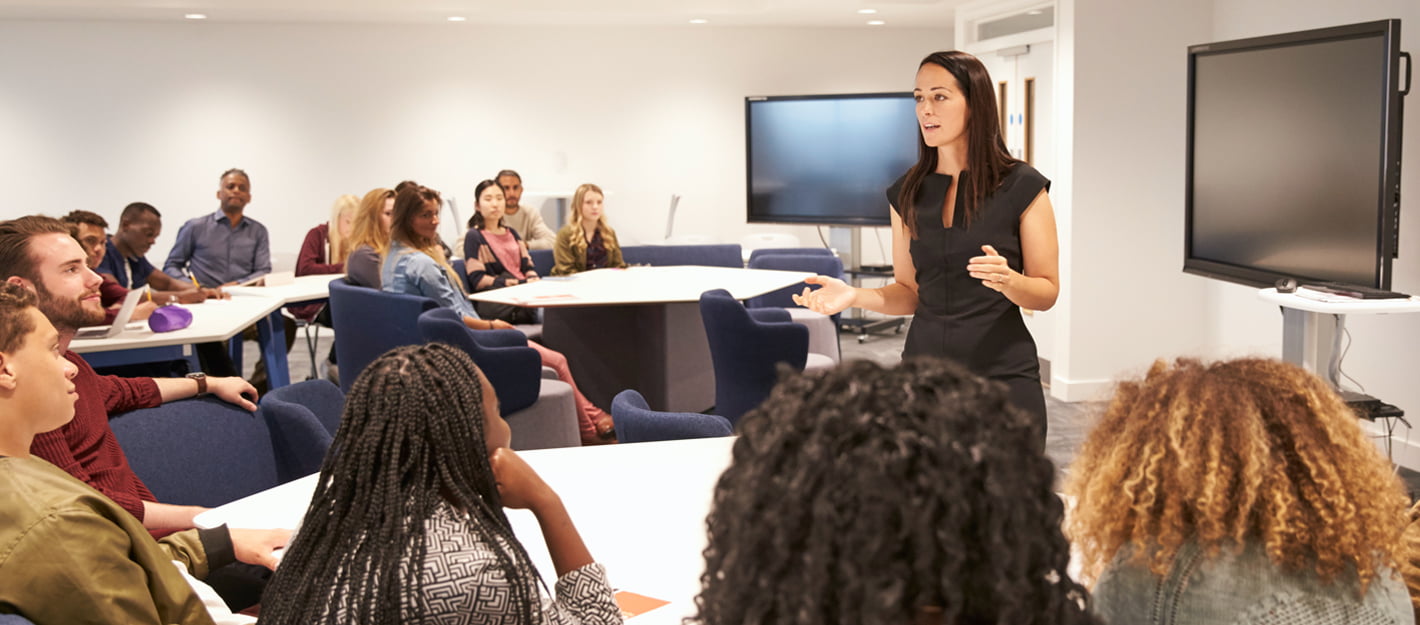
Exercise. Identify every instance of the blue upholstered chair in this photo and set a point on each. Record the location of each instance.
(637, 423)
(746, 346)
(796, 251)
(542, 412)
(14, 619)
(369, 322)
(324, 400)
(206, 452)
(543, 261)
(823, 329)
(295, 427)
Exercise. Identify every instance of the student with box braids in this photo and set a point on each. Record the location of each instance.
(407, 523)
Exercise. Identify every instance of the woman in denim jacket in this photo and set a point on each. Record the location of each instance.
(1237, 492)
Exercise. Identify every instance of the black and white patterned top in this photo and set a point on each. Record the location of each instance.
(463, 584)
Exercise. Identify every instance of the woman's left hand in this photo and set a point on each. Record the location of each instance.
(531, 278)
(991, 269)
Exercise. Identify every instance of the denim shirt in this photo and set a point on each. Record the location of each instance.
(412, 272)
(1243, 587)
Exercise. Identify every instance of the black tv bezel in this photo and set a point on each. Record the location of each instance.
(1388, 199)
(810, 220)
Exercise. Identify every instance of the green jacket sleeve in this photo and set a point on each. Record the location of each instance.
(76, 566)
(565, 260)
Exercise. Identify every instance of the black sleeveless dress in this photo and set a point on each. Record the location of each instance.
(957, 316)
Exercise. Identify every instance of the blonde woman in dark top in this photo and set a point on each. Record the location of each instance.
(369, 238)
(587, 241)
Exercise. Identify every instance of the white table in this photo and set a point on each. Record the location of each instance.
(215, 321)
(1311, 329)
(641, 510)
(638, 328)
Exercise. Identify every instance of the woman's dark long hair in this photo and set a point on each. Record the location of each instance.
(987, 160)
(476, 221)
(870, 495)
(411, 437)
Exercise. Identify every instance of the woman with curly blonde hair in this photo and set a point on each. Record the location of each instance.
(1236, 492)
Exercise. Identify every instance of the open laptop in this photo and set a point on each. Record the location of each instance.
(124, 314)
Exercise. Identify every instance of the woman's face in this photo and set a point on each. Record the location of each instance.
(347, 219)
(941, 106)
(496, 432)
(426, 221)
(591, 207)
(490, 204)
(387, 214)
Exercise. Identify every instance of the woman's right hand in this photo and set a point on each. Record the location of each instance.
(833, 297)
(499, 324)
(518, 484)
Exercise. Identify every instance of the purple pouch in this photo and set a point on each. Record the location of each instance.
(169, 318)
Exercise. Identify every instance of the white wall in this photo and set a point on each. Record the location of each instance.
(1126, 298)
(95, 115)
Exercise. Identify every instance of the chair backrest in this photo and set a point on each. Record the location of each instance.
(14, 619)
(799, 251)
(782, 298)
(462, 271)
(746, 351)
(637, 423)
(718, 255)
(299, 438)
(542, 261)
(324, 400)
(201, 451)
(513, 368)
(369, 322)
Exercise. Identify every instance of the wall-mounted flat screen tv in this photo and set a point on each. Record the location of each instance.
(827, 159)
(1293, 166)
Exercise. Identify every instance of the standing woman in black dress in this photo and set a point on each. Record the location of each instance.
(973, 238)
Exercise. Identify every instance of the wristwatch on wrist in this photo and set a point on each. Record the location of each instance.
(201, 382)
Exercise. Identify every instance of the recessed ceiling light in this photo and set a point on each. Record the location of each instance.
(196, 16)
(867, 11)
(876, 22)
(699, 21)
(1034, 12)
(457, 18)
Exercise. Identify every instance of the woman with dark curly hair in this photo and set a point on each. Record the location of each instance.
(868, 495)
(407, 523)
(1237, 492)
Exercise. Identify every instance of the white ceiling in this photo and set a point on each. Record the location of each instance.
(841, 13)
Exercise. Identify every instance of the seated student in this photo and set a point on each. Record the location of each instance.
(587, 241)
(414, 265)
(72, 555)
(88, 230)
(1236, 492)
(524, 219)
(867, 495)
(407, 522)
(325, 249)
(369, 237)
(36, 252)
(138, 227)
(495, 255)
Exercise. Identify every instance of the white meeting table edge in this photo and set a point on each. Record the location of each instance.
(639, 507)
(675, 284)
(198, 332)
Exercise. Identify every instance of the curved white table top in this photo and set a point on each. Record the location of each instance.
(641, 285)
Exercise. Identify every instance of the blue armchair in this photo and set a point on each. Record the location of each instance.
(204, 451)
(637, 423)
(325, 401)
(794, 251)
(823, 329)
(541, 412)
(746, 346)
(369, 322)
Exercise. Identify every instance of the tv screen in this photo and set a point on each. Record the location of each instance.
(827, 159)
(1293, 157)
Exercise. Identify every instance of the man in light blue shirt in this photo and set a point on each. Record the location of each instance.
(225, 247)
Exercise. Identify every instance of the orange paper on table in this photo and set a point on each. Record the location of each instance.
(632, 604)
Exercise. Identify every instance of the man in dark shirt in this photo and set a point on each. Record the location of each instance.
(125, 262)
